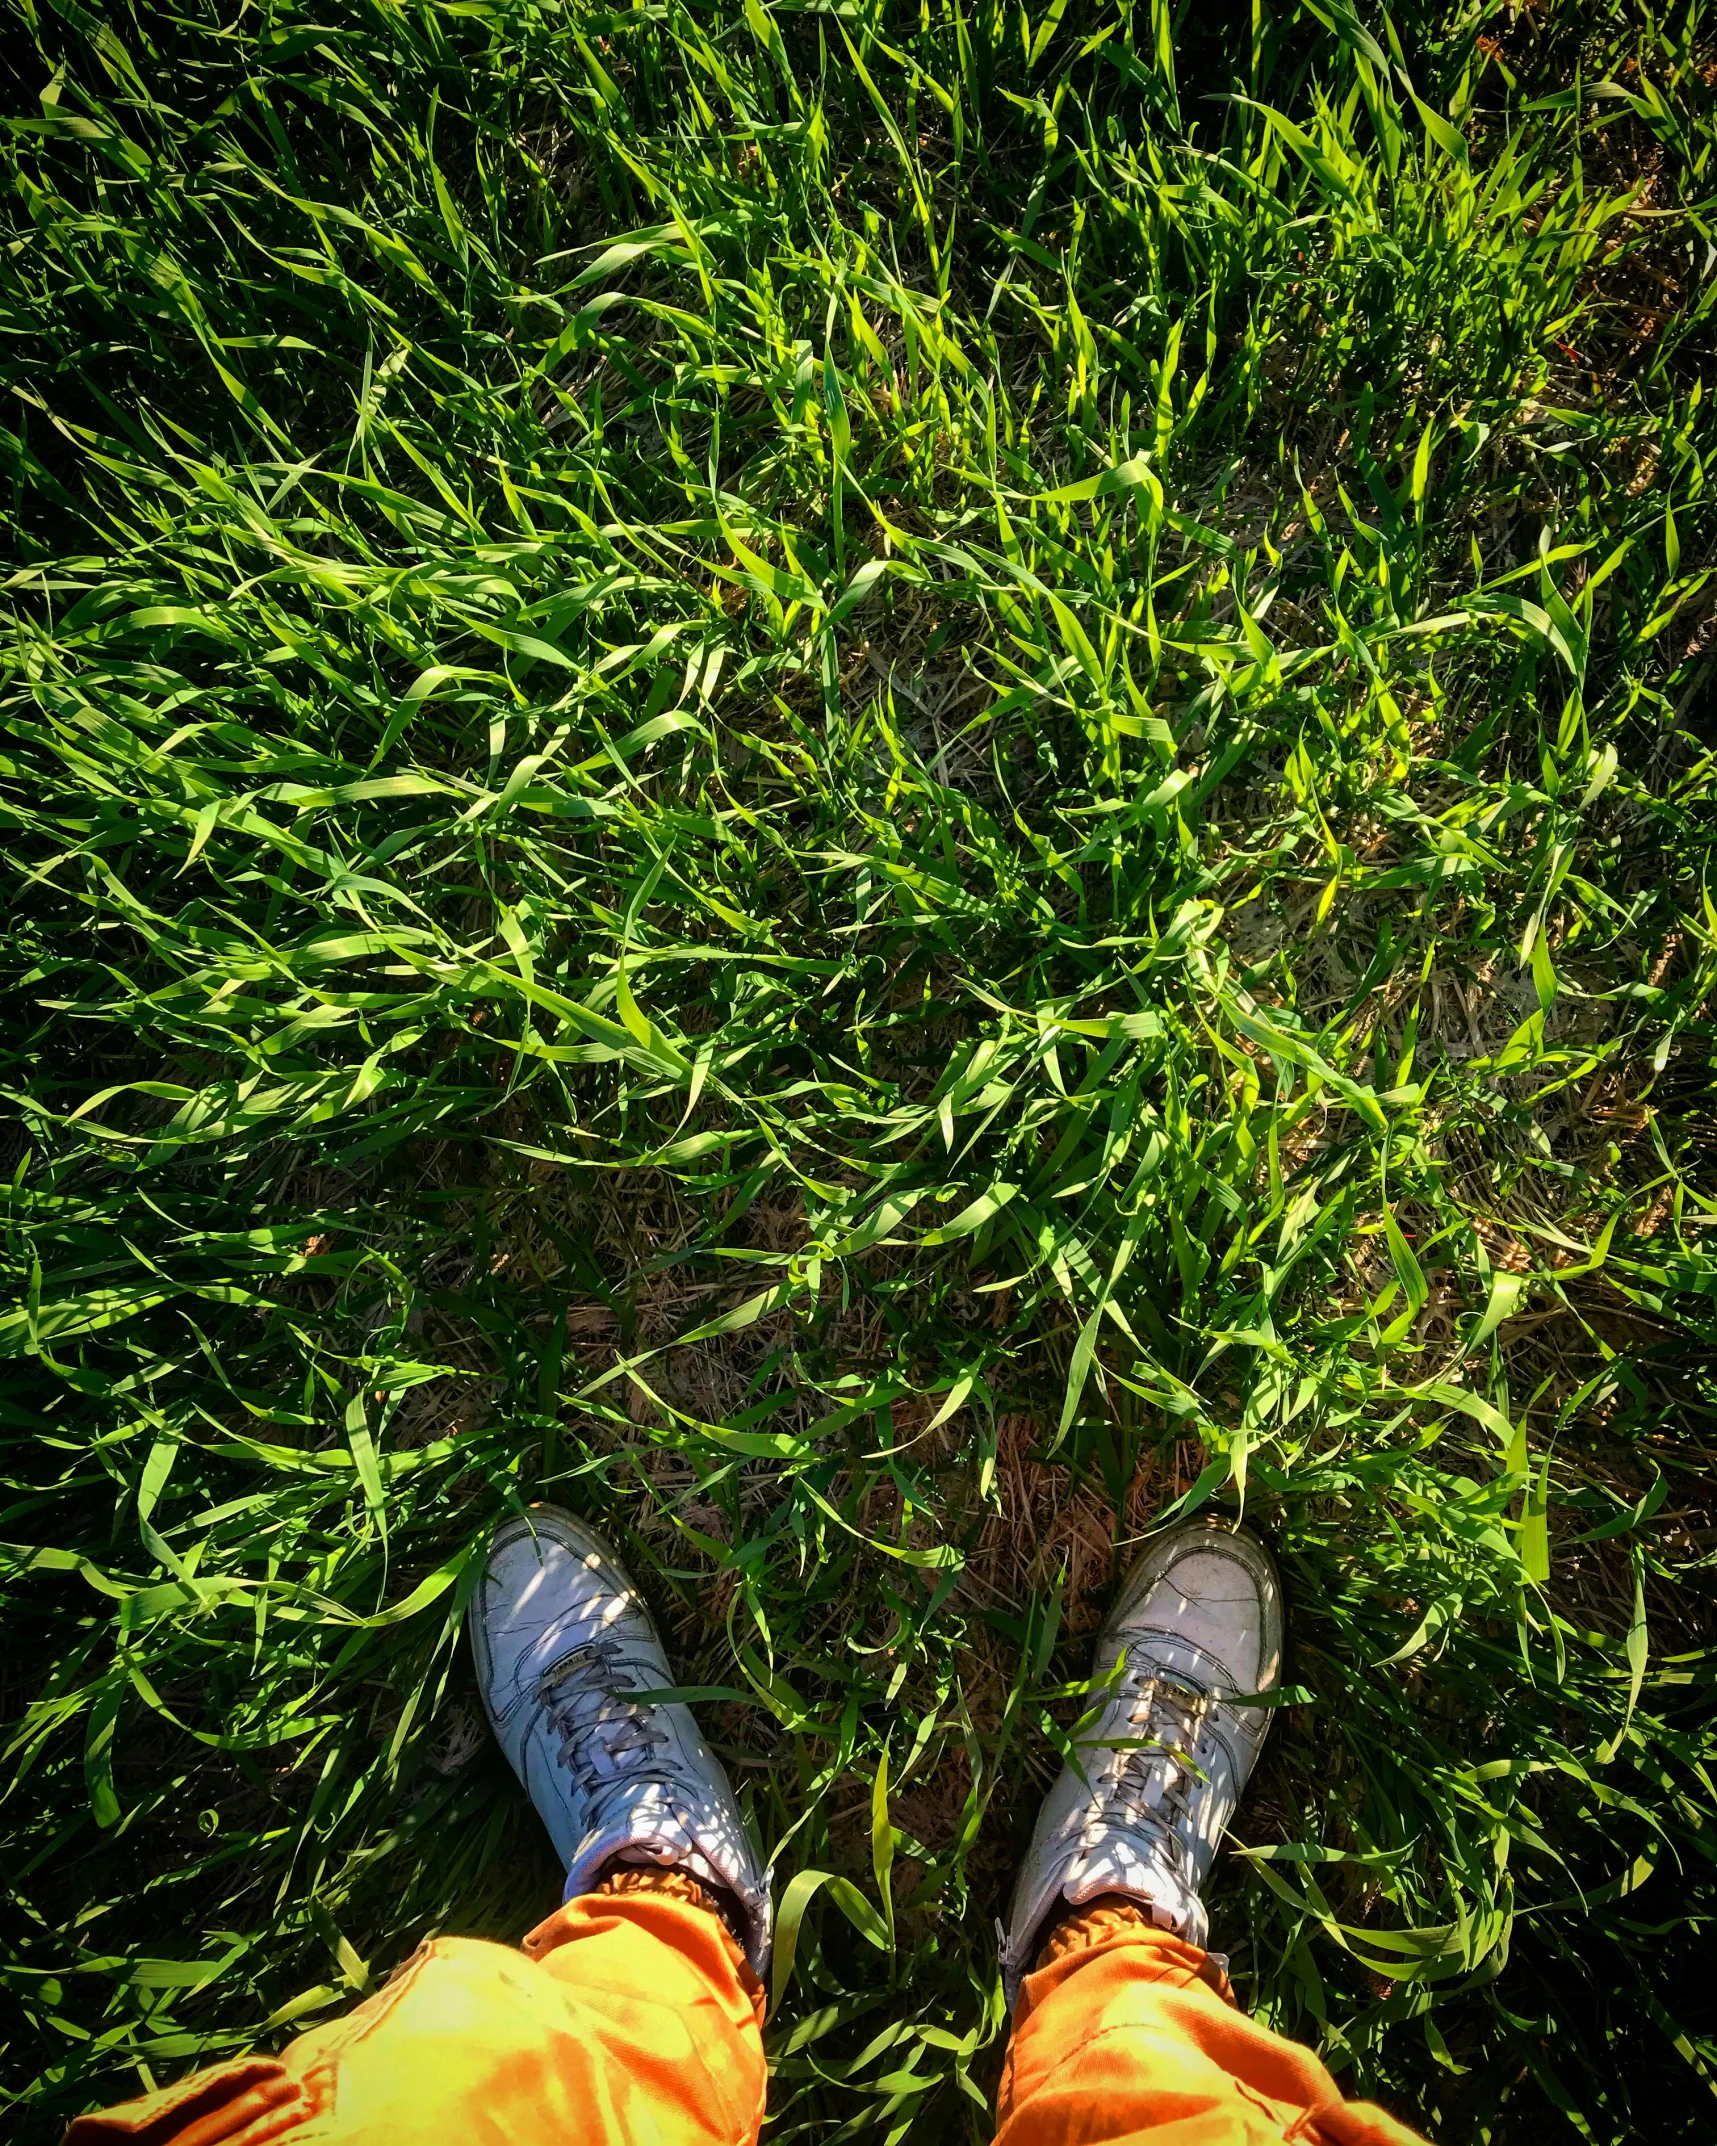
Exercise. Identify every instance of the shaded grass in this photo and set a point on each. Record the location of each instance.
(882, 793)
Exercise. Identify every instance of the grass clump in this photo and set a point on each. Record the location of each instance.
(881, 788)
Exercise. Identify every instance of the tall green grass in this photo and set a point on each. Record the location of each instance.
(882, 788)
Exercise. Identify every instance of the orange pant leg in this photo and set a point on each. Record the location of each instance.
(1125, 2033)
(625, 2021)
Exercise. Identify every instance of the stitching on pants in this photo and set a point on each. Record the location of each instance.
(385, 1998)
(748, 2136)
(363, 2021)
(321, 2082)
(282, 2122)
(1310, 2120)
(1273, 2110)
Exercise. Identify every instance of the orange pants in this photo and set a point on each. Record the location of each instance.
(634, 2020)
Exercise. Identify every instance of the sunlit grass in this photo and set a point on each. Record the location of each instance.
(881, 789)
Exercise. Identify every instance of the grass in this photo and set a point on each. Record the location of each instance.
(881, 788)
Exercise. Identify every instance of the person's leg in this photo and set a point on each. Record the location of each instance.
(634, 2012)
(1126, 2032)
(625, 2017)
(1124, 2026)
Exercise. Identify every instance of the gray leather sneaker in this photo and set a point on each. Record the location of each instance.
(1165, 1756)
(562, 1640)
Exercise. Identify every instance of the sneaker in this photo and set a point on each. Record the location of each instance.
(562, 1641)
(1165, 1756)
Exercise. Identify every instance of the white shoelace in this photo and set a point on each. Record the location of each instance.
(1169, 1714)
